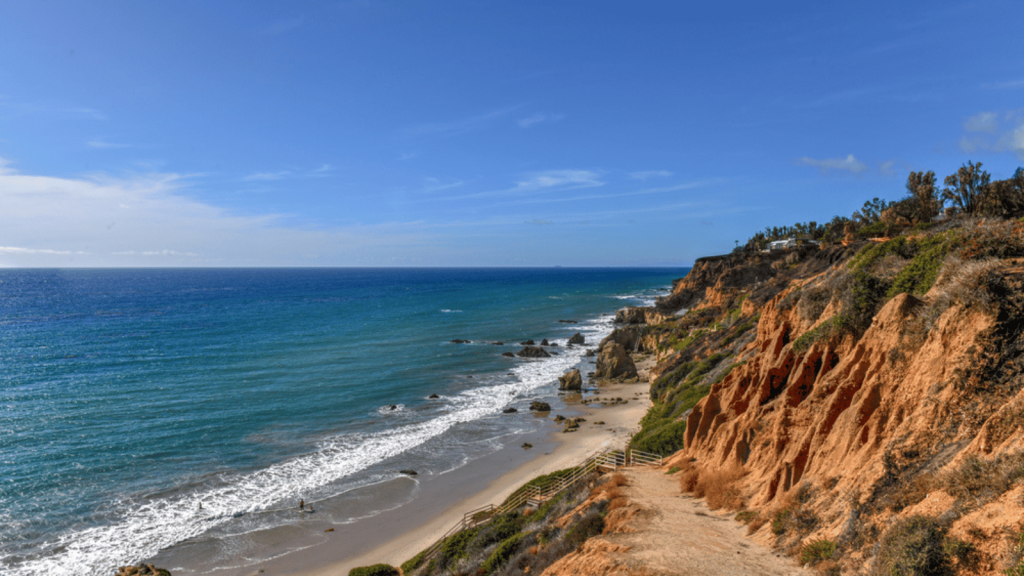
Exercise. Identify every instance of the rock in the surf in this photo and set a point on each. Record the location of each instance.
(509, 411)
(533, 352)
(571, 380)
(538, 406)
(508, 354)
(577, 338)
(408, 472)
(528, 343)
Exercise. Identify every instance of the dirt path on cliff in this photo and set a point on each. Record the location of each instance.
(669, 533)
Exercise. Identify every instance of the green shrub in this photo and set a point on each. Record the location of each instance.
(375, 570)
(664, 440)
(913, 547)
(501, 554)
(591, 524)
(822, 332)
(500, 528)
(746, 516)
(413, 563)
(673, 469)
(779, 520)
(920, 274)
(455, 547)
(817, 551)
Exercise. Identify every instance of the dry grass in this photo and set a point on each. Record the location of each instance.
(718, 487)
(617, 479)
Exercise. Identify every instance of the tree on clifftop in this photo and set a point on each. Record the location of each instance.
(966, 189)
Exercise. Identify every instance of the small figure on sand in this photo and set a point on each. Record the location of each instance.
(200, 505)
(302, 504)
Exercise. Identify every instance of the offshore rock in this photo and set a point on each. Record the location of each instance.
(532, 352)
(577, 338)
(544, 342)
(528, 343)
(571, 380)
(508, 354)
(613, 362)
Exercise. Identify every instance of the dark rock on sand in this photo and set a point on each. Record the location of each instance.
(614, 362)
(577, 338)
(571, 380)
(533, 352)
(142, 570)
(538, 406)
(408, 472)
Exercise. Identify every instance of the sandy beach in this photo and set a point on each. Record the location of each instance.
(397, 535)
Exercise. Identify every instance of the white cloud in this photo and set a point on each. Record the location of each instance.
(983, 122)
(538, 118)
(994, 132)
(887, 168)
(431, 184)
(1007, 85)
(645, 174)
(20, 250)
(267, 176)
(100, 143)
(559, 178)
(849, 164)
(464, 125)
(104, 221)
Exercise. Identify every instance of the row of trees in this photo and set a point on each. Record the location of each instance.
(969, 191)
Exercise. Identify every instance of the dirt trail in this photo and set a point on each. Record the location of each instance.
(669, 533)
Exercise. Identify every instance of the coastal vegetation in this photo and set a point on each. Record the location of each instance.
(855, 400)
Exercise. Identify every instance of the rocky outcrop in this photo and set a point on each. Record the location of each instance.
(614, 363)
(142, 570)
(640, 315)
(571, 380)
(577, 338)
(533, 352)
(538, 406)
(630, 338)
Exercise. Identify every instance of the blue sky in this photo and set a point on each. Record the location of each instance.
(402, 133)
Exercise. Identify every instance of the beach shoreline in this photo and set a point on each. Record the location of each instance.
(442, 501)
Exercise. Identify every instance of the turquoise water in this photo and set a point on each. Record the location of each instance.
(129, 396)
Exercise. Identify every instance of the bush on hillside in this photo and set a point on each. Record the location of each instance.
(375, 570)
(913, 547)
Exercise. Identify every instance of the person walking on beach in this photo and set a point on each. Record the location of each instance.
(302, 504)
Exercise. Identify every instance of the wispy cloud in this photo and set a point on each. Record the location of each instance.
(47, 109)
(458, 126)
(645, 174)
(994, 132)
(537, 182)
(101, 143)
(644, 192)
(1006, 85)
(431, 184)
(538, 118)
(105, 221)
(282, 26)
(827, 165)
(20, 250)
(538, 222)
(982, 122)
(164, 252)
(267, 176)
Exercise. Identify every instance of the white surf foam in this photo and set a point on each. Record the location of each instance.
(147, 527)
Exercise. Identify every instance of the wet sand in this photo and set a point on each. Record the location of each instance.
(437, 503)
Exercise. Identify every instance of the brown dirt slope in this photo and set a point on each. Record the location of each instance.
(662, 532)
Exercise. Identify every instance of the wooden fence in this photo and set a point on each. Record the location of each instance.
(537, 494)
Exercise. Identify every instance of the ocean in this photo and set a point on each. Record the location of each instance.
(143, 409)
